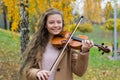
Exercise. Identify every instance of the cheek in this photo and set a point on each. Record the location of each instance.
(49, 26)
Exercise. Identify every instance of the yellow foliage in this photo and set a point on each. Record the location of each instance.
(109, 24)
(13, 12)
(87, 27)
(1, 9)
(14, 26)
(92, 10)
(108, 10)
(36, 8)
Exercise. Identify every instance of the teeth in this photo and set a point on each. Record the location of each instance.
(55, 29)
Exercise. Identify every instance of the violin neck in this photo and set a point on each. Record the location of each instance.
(77, 39)
(80, 40)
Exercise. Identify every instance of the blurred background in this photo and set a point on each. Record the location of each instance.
(101, 23)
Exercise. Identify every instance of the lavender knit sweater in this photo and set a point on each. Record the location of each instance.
(49, 58)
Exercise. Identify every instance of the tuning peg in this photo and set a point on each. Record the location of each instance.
(102, 53)
(99, 49)
(102, 44)
(106, 46)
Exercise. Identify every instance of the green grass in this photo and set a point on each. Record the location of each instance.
(9, 55)
(100, 66)
(9, 44)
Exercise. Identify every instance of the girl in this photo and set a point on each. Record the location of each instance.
(40, 54)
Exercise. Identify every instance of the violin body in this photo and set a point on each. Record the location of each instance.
(60, 39)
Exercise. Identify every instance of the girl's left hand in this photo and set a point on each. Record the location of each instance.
(86, 45)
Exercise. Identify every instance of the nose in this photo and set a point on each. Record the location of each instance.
(56, 24)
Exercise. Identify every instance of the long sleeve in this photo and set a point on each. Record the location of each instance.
(79, 62)
(31, 74)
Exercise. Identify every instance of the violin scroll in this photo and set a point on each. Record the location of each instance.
(103, 48)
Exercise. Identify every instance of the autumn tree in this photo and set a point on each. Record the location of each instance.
(4, 12)
(108, 10)
(24, 25)
(109, 24)
(13, 13)
(92, 10)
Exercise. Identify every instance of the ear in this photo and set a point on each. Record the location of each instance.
(63, 23)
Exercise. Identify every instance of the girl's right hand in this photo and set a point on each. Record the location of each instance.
(43, 75)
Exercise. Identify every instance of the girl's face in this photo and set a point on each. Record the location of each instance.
(54, 24)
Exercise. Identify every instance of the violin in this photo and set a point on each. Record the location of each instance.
(60, 40)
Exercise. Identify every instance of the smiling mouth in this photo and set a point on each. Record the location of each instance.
(56, 29)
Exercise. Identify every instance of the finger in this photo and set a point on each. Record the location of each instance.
(47, 72)
(92, 42)
(46, 75)
(87, 42)
(83, 42)
(42, 76)
(38, 76)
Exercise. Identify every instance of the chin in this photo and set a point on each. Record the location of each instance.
(56, 33)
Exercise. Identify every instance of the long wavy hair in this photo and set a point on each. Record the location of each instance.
(36, 47)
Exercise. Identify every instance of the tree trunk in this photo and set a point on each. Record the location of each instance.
(4, 16)
(24, 31)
